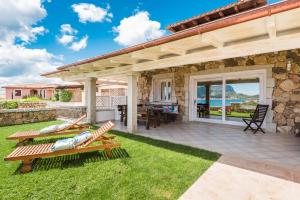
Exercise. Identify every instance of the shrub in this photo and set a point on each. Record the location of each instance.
(9, 104)
(65, 96)
(31, 99)
(56, 96)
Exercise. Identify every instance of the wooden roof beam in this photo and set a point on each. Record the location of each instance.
(122, 62)
(183, 26)
(236, 8)
(207, 18)
(144, 56)
(221, 14)
(211, 40)
(195, 23)
(172, 49)
(271, 27)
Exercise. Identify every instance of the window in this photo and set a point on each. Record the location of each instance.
(165, 90)
(162, 89)
(18, 93)
(42, 93)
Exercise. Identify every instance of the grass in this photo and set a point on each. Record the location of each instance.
(142, 169)
(232, 114)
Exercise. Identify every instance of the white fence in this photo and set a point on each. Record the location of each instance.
(110, 102)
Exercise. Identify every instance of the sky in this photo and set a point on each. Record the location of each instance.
(36, 36)
(246, 88)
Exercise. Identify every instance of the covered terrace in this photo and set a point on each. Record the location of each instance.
(261, 30)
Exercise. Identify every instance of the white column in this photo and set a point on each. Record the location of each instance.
(90, 99)
(132, 103)
(84, 94)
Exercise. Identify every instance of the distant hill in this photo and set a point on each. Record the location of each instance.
(216, 92)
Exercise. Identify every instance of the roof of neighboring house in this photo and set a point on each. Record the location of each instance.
(231, 9)
(70, 86)
(44, 86)
(230, 20)
(31, 86)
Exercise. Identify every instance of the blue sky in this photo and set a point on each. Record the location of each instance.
(101, 35)
(246, 88)
(36, 36)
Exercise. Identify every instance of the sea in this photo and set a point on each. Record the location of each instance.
(218, 102)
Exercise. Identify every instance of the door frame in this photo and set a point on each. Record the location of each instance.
(261, 74)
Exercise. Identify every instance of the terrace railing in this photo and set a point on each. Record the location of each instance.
(110, 102)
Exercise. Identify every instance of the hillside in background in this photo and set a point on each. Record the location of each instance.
(216, 92)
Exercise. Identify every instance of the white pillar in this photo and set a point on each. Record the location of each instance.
(132, 103)
(84, 94)
(90, 99)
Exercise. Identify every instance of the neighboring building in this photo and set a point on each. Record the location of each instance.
(43, 91)
(231, 59)
(76, 89)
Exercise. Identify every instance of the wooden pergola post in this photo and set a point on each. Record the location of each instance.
(90, 99)
(132, 103)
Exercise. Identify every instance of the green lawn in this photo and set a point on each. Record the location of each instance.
(232, 114)
(142, 169)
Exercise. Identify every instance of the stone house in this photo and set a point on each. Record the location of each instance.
(247, 52)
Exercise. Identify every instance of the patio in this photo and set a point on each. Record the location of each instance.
(270, 153)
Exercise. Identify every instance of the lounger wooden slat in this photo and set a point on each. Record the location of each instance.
(28, 153)
(74, 128)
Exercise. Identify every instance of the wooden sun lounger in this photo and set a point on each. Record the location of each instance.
(27, 154)
(74, 128)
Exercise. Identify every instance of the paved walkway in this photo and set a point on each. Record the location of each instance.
(225, 182)
(252, 167)
(279, 149)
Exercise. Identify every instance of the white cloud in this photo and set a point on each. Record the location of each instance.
(67, 29)
(18, 22)
(65, 39)
(91, 13)
(19, 64)
(67, 34)
(19, 60)
(81, 44)
(137, 29)
(68, 38)
(17, 18)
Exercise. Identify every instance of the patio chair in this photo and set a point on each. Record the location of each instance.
(257, 118)
(27, 154)
(73, 128)
(202, 110)
(150, 117)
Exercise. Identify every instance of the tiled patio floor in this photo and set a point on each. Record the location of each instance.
(282, 150)
(227, 182)
(260, 166)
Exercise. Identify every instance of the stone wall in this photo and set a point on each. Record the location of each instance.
(283, 87)
(31, 105)
(24, 116)
(71, 112)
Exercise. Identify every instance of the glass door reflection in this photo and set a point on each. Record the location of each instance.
(209, 99)
(242, 96)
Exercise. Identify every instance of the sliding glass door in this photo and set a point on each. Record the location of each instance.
(227, 98)
(242, 96)
(209, 99)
